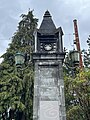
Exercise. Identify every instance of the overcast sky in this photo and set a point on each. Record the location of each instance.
(63, 13)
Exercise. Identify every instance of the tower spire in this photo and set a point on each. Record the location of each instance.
(47, 26)
(47, 14)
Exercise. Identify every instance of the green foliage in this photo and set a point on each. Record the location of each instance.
(75, 113)
(77, 91)
(16, 86)
(87, 54)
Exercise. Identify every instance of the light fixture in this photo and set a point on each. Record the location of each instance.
(75, 57)
(19, 59)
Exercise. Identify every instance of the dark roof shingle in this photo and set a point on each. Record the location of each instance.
(47, 25)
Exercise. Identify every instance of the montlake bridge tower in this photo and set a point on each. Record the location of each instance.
(48, 57)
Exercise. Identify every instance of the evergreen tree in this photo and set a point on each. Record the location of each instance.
(87, 54)
(16, 86)
(78, 96)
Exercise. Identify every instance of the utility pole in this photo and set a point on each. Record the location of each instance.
(77, 42)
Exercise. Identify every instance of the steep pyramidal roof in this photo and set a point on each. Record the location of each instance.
(47, 25)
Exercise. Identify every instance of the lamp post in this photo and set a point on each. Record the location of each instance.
(74, 55)
(72, 61)
(22, 62)
(19, 59)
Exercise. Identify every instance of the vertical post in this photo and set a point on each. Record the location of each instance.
(77, 42)
(49, 101)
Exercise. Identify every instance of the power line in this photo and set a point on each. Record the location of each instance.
(5, 39)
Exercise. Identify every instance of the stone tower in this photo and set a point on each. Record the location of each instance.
(49, 101)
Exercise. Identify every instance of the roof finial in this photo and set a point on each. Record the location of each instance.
(47, 14)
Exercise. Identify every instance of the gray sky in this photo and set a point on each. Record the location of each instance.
(63, 13)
